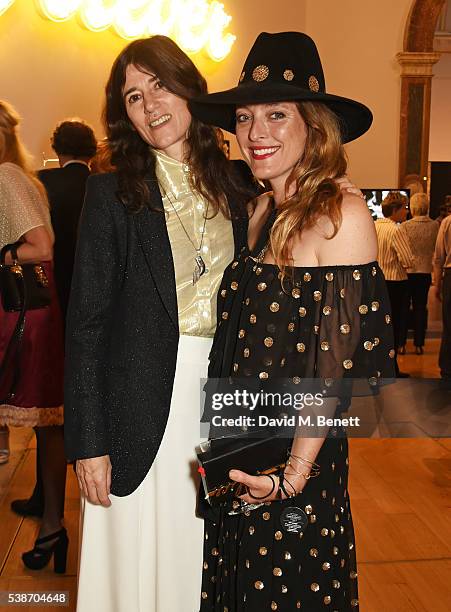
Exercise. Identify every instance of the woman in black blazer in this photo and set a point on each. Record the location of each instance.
(155, 237)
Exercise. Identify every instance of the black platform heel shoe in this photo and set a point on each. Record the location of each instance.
(39, 557)
(27, 507)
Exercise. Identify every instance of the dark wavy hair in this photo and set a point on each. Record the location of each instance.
(74, 137)
(132, 157)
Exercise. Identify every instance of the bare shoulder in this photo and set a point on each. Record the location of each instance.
(356, 215)
(355, 241)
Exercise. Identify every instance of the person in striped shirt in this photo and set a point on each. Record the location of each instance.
(395, 256)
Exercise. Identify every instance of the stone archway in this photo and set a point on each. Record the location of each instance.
(417, 60)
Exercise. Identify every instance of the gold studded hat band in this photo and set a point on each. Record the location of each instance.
(281, 67)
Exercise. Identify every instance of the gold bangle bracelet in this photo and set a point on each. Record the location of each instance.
(306, 476)
(313, 470)
(303, 460)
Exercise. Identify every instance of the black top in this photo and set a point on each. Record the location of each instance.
(324, 321)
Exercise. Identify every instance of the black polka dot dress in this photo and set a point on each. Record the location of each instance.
(329, 322)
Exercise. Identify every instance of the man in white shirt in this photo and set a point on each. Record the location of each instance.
(395, 257)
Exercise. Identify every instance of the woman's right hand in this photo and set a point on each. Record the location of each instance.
(94, 479)
(266, 489)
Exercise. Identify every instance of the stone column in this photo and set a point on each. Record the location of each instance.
(416, 77)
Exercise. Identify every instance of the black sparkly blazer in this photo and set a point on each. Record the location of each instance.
(122, 333)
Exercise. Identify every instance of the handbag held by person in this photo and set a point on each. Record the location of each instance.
(252, 454)
(22, 286)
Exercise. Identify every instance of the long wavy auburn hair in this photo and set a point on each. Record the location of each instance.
(317, 193)
(132, 157)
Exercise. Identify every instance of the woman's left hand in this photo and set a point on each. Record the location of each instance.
(346, 185)
(260, 486)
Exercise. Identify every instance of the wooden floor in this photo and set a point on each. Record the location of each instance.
(401, 502)
(17, 534)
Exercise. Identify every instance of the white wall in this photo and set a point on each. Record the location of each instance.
(358, 41)
(440, 134)
(50, 71)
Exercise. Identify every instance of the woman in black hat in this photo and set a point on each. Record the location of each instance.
(304, 300)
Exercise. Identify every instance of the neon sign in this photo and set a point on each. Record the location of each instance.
(193, 24)
(4, 5)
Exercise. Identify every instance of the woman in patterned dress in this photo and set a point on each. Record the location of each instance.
(305, 299)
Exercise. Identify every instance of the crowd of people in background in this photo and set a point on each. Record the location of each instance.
(39, 212)
(410, 250)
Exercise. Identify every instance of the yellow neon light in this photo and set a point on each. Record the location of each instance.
(97, 15)
(131, 17)
(163, 16)
(194, 24)
(219, 44)
(4, 5)
(192, 34)
(59, 10)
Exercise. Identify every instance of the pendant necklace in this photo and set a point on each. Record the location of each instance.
(199, 264)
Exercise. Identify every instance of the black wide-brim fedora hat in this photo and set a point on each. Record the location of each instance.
(281, 67)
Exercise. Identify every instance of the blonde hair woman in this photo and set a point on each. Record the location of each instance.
(36, 398)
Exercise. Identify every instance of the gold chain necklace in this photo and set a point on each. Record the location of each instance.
(199, 264)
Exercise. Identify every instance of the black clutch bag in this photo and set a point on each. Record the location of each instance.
(254, 455)
(22, 286)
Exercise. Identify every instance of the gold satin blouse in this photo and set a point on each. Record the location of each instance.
(196, 303)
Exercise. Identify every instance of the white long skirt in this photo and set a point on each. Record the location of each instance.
(144, 552)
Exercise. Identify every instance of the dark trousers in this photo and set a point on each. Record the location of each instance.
(444, 359)
(398, 292)
(418, 293)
